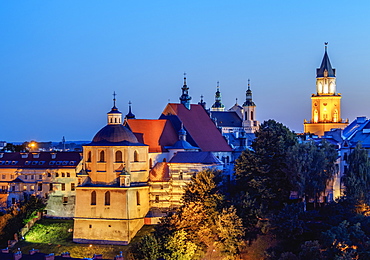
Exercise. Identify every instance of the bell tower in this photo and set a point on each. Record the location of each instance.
(325, 108)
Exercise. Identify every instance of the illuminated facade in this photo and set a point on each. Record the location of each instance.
(112, 200)
(325, 109)
(50, 175)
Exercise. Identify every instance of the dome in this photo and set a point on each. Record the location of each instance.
(115, 134)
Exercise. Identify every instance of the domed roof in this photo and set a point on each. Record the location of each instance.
(115, 134)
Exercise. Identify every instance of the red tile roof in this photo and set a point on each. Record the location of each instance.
(198, 125)
(157, 133)
(160, 172)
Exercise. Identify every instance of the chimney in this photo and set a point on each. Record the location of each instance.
(50, 257)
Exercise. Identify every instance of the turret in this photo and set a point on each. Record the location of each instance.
(185, 98)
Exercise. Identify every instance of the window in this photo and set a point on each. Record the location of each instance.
(252, 115)
(24, 188)
(73, 187)
(101, 156)
(164, 160)
(39, 187)
(246, 115)
(137, 198)
(107, 198)
(345, 157)
(63, 174)
(136, 156)
(13, 200)
(50, 186)
(65, 200)
(118, 156)
(25, 177)
(32, 177)
(56, 174)
(32, 187)
(150, 163)
(40, 177)
(89, 156)
(93, 198)
(156, 198)
(90, 226)
(3, 177)
(63, 186)
(181, 176)
(68, 174)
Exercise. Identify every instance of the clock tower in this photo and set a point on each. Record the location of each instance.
(325, 108)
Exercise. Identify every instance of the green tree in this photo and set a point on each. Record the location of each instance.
(263, 177)
(312, 166)
(357, 178)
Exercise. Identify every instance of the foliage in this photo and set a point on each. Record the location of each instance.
(314, 166)
(357, 178)
(50, 231)
(16, 217)
(203, 221)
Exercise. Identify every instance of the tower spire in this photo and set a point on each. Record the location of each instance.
(185, 98)
(114, 116)
(130, 115)
(218, 106)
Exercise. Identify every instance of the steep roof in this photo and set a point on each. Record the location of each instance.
(202, 132)
(40, 160)
(157, 133)
(160, 172)
(227, 118)
(195, 157)
(325, 65)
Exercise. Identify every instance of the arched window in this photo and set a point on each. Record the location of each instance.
(107, 198)
(115, 120)
(137, 198)
(118, 156)
(252, 116)
(335, 116)
(89, 156)
(101, 157)
(56, 174)
(136, 156)
(93, 198)
(315, 116)
(246, 115)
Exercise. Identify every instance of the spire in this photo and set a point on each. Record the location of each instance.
(202, 103)
(114, 108)
(130, 115)
(248, 96)
(218, 106)
(185, 98)
(114, 116)
(325, 69)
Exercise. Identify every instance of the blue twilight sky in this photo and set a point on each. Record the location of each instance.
(60, 61)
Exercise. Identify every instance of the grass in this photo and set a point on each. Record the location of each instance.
(55, 236)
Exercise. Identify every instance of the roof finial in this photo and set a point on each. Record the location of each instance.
(326, 46)
(236, 101)
(218, 85)
(114, 98)
(249, 84)
(184, 78)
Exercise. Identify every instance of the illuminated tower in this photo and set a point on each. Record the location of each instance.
(326, 102)
(218, 106)
(250, 124)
